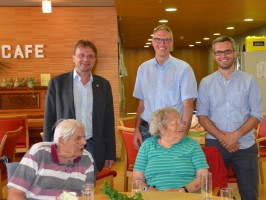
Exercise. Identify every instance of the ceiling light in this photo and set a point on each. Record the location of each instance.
(248, 20)
(216, 34)
(150, 39)
(230, 28)
(170, 9)
(206, 38)
(148, 43)
(146, 46)
(163, 21)
(46, 6)
(191, 45)
(198, 42)
(181, 37)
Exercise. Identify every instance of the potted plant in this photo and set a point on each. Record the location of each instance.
(31, 82)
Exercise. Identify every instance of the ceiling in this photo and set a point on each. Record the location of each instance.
(193, 20)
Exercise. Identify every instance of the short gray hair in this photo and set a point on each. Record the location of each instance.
(165, 28)
(159, 119)
(224, 39)
(65, 128)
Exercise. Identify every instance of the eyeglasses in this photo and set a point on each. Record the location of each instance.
(225, 52)
(164, 40)
(82, 56)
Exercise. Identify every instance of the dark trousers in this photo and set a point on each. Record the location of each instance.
(90, 148)
(245, 165)
(144, 130)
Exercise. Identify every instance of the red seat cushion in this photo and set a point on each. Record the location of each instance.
(106, 172)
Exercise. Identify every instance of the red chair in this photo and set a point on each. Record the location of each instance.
(261, 143)
(8, 123)
(106, 175)
(130, 152)
(129, 122)
(217, 168)
(7, 149)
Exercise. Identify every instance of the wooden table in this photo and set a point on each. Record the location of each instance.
(161, 196)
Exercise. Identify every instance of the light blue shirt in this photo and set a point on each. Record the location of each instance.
(228, 104)
(167, 85)
(83, 100)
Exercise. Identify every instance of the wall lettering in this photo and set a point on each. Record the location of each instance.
(22, 52)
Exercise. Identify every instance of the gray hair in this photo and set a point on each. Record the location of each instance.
(159, 119)
(65, 128)
(224, 39)
(165, 28)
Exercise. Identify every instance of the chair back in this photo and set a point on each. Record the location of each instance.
(217, 167)
(129, 122)
(7, 149)
(9, 123)
(131, 153)
(261, 132)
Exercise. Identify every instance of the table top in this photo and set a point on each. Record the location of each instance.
(160, 196)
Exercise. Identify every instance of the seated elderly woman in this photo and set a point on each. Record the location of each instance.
(48, 168)
(169, 161)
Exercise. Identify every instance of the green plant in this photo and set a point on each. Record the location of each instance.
(115, 195)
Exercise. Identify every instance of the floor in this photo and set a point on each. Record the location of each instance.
(119, 183)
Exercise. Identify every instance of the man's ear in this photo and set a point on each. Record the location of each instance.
(61, 140)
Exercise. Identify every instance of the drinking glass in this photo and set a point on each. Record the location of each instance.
(206, 186)
(88, 191)
(136, 186)
(226, 193)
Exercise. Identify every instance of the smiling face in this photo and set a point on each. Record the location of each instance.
(73, 146)
(162, 47)
(84, 59)
(224, 55)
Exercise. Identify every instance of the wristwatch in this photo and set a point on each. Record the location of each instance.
(185, 189)
(145, 189)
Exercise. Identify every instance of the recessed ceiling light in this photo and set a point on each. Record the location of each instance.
(230, 28)
(181, 37)
(148, 43)
(206, 38)
(191, 45)
(150, 39)
(248, 20)
(146, 46)
(198, 42)
(170, 9)
(163, 21)
(216, 34)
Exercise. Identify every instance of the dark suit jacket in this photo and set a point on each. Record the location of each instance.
(59, 104)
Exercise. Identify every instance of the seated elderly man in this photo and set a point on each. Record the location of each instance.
(48, 168)
(169, 161)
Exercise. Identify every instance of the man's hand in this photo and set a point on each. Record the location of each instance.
(233, 148)
(137, 141)
(228, 139)
(109, 163)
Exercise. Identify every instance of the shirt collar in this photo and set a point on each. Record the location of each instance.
(55, 155)
(77, 77)
(165, 66)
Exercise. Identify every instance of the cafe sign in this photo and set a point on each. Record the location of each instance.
(7, 51)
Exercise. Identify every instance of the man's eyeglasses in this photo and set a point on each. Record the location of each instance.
(164, 40)
(82, 56)
(225, 52)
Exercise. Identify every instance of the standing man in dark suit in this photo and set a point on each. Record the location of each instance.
(87, 98)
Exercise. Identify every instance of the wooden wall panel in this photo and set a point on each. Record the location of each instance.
(197, 58)
(58, 32)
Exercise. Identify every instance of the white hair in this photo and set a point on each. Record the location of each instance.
(65, 128)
